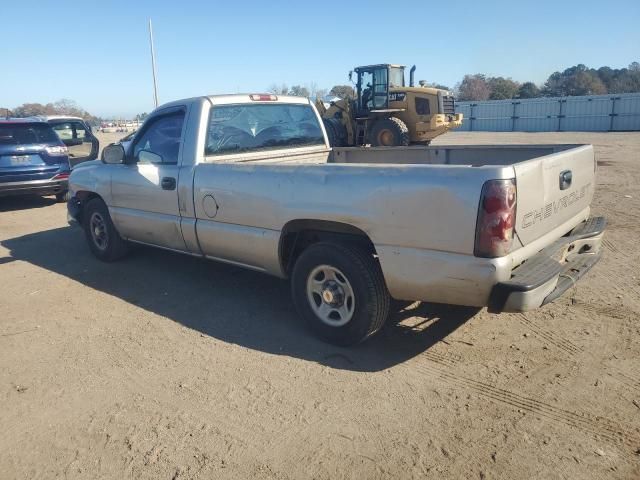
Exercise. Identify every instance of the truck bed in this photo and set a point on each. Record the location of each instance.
(469, 155)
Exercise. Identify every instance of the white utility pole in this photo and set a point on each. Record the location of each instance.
(153, 65)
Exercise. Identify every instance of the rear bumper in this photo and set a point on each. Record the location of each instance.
(38, 187)
(546, 276)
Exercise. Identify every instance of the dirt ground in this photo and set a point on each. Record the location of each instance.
(164, 366)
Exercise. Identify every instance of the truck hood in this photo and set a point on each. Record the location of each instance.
(90, 163)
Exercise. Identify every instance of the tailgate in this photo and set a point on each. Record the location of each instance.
(552, 190)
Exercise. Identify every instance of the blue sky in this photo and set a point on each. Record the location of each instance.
(97, 53)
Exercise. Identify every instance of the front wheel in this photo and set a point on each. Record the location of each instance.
(340, 291)
(389, 132)
(336, 132)
(103, 238)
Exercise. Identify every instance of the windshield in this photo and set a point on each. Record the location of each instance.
(396, 77)
(250, 128)
(27, 134)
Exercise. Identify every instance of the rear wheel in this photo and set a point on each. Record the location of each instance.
(340, 291)
(389, 132)
(103, 238)
(62, 196)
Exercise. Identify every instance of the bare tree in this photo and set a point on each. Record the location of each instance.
(320, 93)
(343, 91)
(473, 87)
(281, 89)
(299, 91)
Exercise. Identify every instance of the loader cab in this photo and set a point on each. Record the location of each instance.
(372, 86)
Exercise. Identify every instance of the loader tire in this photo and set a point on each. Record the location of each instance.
(389, 132)
(335, 132)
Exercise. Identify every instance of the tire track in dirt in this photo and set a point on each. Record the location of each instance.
(594, 425)
(295, 432)
(563, 344)
(442, 364)
(444, 359)
(625, 379)
(610, 246)
(571, 349)
(613, 311)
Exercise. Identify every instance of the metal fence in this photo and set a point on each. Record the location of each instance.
(596, 113)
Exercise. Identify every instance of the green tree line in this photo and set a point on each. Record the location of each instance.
(574, 81)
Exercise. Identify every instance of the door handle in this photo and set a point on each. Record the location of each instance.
(168, 183)
(565, 179)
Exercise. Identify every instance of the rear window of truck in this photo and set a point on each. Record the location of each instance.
(255, 127)
(27, 134)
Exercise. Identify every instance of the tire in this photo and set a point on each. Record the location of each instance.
(357, 280)
(389, 132)
(335, 132)
(62, 196)
(103, 238)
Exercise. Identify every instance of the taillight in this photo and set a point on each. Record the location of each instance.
(263, 97)
(57, 151)
(496, 218)
(61, 176)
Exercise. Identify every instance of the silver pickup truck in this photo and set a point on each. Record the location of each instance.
(251, 180)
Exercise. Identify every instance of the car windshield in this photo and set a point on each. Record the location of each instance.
(27, 134)
(249, 128)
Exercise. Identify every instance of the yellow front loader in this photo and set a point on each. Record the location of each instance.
(386, 112)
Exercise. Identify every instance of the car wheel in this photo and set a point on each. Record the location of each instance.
(340, 291)
(62, 196)
(103, 238)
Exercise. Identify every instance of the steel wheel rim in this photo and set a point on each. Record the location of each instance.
(330, 295)
(98, 228)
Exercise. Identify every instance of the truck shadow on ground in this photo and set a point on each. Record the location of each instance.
(230, 304)
(25, 202)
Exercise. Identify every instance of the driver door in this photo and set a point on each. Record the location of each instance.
(144, 189)
(380, 89)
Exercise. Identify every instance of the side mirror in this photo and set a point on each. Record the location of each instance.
(113, 154)
(351, 75)
(145, 156)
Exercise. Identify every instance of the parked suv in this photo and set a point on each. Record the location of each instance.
(76, 134)
(33, 159)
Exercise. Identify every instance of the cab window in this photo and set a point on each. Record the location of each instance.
(257, 127)
(160, 141)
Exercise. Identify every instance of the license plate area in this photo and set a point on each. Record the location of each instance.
(20, 160)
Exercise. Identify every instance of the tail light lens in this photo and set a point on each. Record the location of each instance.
(61, 176)
(496, 218)
(57, 151)
(263, 97)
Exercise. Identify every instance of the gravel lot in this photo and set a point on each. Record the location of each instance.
(164, 366)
